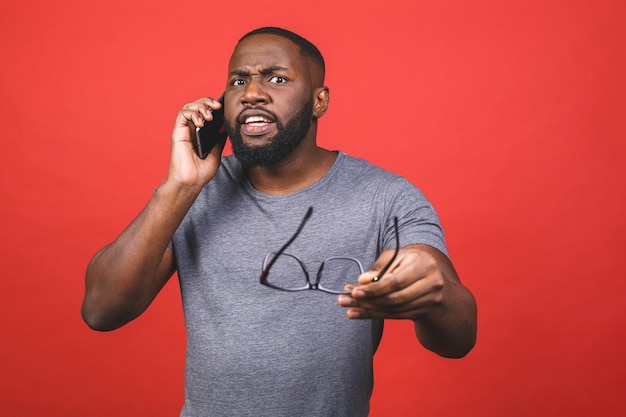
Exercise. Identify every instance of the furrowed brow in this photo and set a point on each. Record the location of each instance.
(273, 69)
(239, 73)
(264, 71)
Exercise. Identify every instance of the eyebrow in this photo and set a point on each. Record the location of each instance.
(264, 71)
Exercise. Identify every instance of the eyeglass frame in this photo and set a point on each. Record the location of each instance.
(316, 285)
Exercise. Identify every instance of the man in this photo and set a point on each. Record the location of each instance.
(221, 223)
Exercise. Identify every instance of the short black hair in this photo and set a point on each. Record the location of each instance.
(307, 49)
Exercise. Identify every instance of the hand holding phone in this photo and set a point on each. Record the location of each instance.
(212, 133)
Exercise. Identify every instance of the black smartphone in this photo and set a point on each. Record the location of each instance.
(212, 133)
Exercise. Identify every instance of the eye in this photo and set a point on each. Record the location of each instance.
(238, 82)
(278, 79)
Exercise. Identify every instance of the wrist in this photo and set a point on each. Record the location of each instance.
(179, 191)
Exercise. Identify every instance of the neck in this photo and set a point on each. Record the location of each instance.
(302, 168)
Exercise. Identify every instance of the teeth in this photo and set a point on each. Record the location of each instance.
(256, 119)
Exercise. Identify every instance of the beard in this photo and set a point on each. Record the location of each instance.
(284, 142)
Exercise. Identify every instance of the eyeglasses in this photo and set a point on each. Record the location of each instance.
(335, 272)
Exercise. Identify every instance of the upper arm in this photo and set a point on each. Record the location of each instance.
(166, 269)
(112, 300)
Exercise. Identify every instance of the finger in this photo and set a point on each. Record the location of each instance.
(200, 110)
(395, 279)
(427, 291)
(369, 276)
(362, 313)
(407, 299)
(204, 103)
(191, 118)
(403, 304)
(346, 300)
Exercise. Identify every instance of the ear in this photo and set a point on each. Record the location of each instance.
(320, 101)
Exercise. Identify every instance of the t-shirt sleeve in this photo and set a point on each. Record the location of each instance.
(418, 222)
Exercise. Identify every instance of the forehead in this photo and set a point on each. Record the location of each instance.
(266, 50)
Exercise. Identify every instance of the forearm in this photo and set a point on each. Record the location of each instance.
(422, 286)
(124, 277)
(449, 329)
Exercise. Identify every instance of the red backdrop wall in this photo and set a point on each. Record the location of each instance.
(509, 115)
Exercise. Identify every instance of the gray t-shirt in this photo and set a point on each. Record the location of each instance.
(257, 351)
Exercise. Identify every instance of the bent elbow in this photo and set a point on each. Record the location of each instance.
(460, 351)
(99, 320)
(93, 320)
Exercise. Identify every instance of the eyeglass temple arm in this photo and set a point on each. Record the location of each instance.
(306, 218)
(393, 258)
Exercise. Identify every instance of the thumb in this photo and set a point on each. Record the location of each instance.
(369, 275)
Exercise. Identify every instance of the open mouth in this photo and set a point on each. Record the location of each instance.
(256, 123)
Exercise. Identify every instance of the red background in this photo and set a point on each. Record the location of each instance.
(511, 116)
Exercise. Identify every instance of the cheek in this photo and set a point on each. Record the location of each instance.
(230, 116)
(231, 99)
(293, 106)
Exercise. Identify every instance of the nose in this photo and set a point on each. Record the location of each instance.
(254, 93)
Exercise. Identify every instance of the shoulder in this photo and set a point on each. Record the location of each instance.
(349, 162)
(377, 179)
(364, 170)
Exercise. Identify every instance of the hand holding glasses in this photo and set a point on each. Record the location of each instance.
(336, 272)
